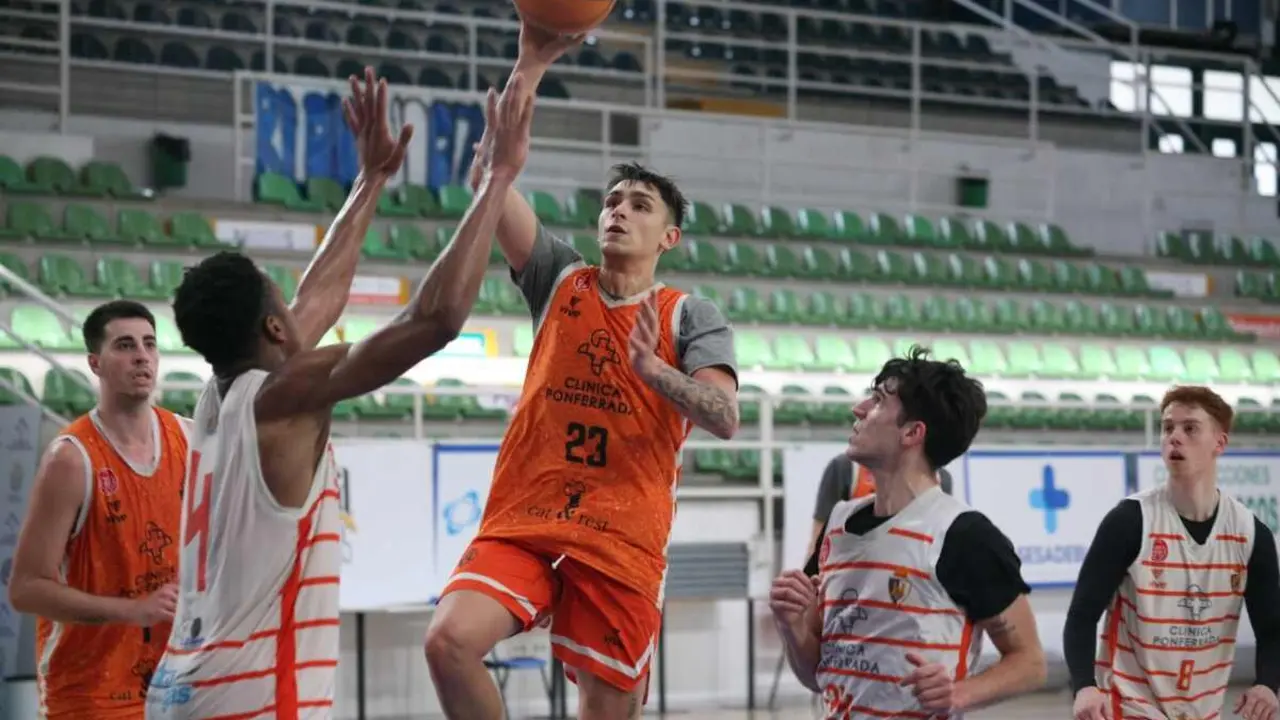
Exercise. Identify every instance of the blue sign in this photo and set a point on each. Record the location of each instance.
(462, 513)
(440, 153)
(1049, 499)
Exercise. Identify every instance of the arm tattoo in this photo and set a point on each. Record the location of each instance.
(998, 626)
(708, 406)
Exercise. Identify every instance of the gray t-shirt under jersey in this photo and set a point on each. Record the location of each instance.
(704, 340)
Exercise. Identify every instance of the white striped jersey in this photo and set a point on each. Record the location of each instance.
(1169, 637)
(881, 599)
(256, 631)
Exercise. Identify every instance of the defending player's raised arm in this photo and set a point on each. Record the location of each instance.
(518, 227)
(315, 381)
(325, 287)
(62, 488)
(705, 387)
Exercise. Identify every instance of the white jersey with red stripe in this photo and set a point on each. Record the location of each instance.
(1169, 638)
(256, 631)
(881, 599)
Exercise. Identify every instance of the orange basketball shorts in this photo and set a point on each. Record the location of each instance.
(598, 625)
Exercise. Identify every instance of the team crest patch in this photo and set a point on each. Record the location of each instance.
(825, 552)
(107, 481)
(581, 283)
(1237, 582)
(1159, 550)
(899, 587)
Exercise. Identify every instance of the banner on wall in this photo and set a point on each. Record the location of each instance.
(386, 539)
(19, 438)
(301, 133)
(1049, 503)
(1253, 478)
(463, 474)
(802, 469)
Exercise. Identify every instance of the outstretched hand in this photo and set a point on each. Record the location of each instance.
(540, 48)
(642, 348)
(504, 146)
(366, 114)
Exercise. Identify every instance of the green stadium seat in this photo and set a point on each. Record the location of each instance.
(794, 407)
(1266, 366)
(418, 199)
(1233, 367)
(1200, 366)
(1033, 275)
(833, 354)
(1097, 363)
(1001, 274)
(938, 313)
(142, 228)
(847, 226)
(973, 316)
(752, 350)
(870, 353)
(1133, 281)
(951, 350)
(919, 231)
(1023, 239)
(62, 275)
(455, 200)
(1044, 317)
(812, 224)
(1235, 251)
(737, 220)
(781, 262)
(29, 219)
(68, 392)
(182, 402)
(1151, 322)
(1173, 246)
(40, 327)
(893, 267)
(327, 193)
(121, 278)
(701, 219)
(987, 358)
(1214, 324)
(898, 313)
(713, 461)
(13, 178)
(967, 271)
(1166, 364)
(377, 248)
(393, 405)
(861, 311)
(1009, 317)
(390, 205)
(1116, 321)
(748, 407)
(883, 229)
(792, 352)
(822, 309)
(832, 413)
(745, 305)
(817, 263)
(499, 297)
(1108, 414)
(53, 175)
(103, 178)
(1251, 416)
(168, 337)
(1100, 280)
(741, 258)
(1067, 277)
(711, 295)
(1251, 285)
(1073, 413)
(1056, 241)
(84, 223)
(1261, 250)
(276, 189)
(588, 246)
(190, 228)
(954, 232)
(286, 278)
(783, 307)
(1203, 247)
(546, 207)
(991, 237)
(17, 266)
(1080, 319)
(1182, 323)
(408, 241)
(522, 341)
(583, 208)
(1059, 362)
(1024, 360)
(674, 260)
(930, 269)
(18, 381)
(1029, 417)
(999, 416)
(1132, 363)
(165, 276)
(775, 222)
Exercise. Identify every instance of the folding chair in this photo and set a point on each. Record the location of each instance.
(503, 667)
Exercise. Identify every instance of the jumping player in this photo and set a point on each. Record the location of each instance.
(887, 618)
(1171, 566)
(583, 498)
(97, 555)
(256, 633)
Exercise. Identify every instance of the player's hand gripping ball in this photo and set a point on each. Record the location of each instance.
(565, 16)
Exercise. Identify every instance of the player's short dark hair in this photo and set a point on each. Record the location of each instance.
(220, 306)
(95, 326)
(1201, 397)
(939, 394)
(666, 187)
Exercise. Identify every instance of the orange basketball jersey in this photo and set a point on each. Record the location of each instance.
(591, 460)
(125, 545)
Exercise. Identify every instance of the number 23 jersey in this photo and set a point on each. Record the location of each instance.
(591, 460)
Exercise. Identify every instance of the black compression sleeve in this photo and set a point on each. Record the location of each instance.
(1262, 599)
(812, 566)
(1115, 547)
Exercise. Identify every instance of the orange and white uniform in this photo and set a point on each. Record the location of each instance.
(256, 633)
(1169, 638)
(881, 598)
(124, 544)
(579, 516)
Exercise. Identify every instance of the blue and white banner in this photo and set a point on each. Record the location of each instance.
(463, 474)
(1049, 503)
(301, 133)
(1253, 478)
(19, 442)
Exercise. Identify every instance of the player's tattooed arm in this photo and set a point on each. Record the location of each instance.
(708, 398)
(1021, 667)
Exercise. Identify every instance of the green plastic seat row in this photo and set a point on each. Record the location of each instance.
(1017, 359)
(319, 194)
(1206, 248)
(82, 223)
(733, 464)
(47, 175)
(1259, 286)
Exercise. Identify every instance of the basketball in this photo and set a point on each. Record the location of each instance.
(565, 16)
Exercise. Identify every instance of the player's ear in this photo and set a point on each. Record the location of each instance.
(671, 237)
(94, 364)
(274, 329)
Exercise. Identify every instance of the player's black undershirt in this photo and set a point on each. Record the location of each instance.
(978, 566)
(1116, 546)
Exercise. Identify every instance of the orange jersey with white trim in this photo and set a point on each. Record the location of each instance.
(591, 460)
(1169, 638)
(256, 632)
(125, 545)
(881, 598)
